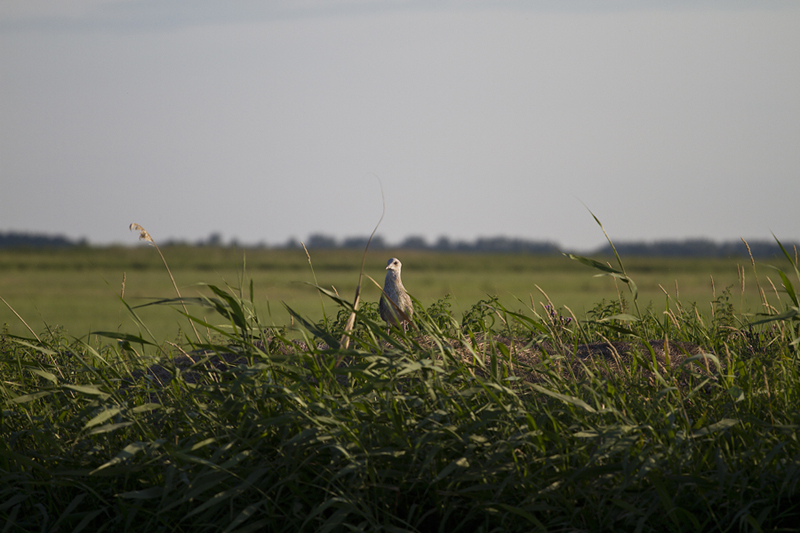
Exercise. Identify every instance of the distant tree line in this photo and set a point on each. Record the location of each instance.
(442, 244)
(662, 248)
(319, 241)
(36, 240)
(699, 248)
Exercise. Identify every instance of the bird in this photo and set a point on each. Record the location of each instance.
(394, 290)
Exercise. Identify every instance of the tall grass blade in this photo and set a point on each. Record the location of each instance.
(351, 320)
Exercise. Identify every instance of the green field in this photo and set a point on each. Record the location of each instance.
(503, 422)
(78, 289)
(498, 422)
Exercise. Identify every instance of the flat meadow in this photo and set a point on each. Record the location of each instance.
(79, 289)
(528, 393)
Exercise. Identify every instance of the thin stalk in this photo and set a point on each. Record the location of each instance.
(351, 320)
(143, 235)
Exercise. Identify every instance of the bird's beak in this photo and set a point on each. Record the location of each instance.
(388, 267)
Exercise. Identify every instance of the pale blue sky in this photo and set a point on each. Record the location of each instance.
(269, 120)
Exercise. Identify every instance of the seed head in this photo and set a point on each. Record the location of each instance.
(143, 235)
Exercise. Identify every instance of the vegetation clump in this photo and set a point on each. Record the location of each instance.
(498, 420)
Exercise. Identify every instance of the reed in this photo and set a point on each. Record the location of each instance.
(498, 419)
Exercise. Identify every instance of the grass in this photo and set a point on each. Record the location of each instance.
(490, 419)
(77, 288)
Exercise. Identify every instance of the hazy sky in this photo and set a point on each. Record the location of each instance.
(269, 120)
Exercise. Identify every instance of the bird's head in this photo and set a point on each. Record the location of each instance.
(394, 264)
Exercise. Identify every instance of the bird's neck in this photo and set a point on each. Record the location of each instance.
(394, 278)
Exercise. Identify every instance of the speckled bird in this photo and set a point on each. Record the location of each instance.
(393, 288)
